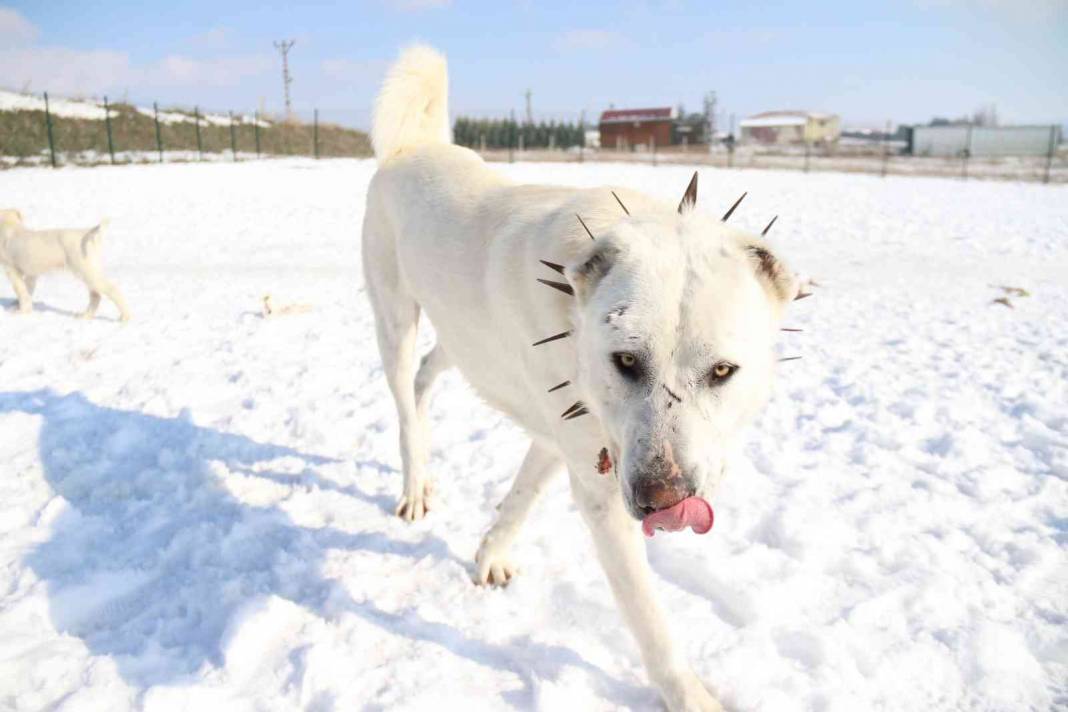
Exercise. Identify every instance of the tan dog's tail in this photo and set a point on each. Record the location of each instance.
(94, 236)
(412, 105)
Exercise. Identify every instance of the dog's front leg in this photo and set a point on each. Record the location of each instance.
(622, 554)
(25, 300)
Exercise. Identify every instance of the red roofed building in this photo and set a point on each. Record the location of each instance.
(623, 128)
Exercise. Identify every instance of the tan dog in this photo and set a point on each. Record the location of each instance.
(26, 254)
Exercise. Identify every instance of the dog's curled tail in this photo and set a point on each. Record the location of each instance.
(93, 237)
(412, 106)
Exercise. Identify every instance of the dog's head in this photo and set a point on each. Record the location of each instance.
(10, 218)
(676, 321)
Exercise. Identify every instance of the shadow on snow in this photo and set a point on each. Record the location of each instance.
(154, 556)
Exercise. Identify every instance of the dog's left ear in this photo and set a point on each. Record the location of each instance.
(689, 198)
(586, 275)
(776, 277)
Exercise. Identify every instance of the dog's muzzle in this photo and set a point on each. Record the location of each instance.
(654, 494)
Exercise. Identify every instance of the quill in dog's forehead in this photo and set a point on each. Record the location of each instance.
(676, 320)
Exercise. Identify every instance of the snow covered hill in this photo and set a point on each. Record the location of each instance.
(196, 508)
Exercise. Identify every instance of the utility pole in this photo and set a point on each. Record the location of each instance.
(530, 113)
(710, 116)
(283, 48)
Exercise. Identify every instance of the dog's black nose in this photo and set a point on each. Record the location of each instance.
(652, 495)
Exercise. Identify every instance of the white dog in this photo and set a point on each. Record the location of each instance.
(631, 339)
(27, 254)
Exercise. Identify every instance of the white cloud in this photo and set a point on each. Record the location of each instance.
(15, 30)
(586, 39)
(348, 70)
(64, 71)
(89, 72)
(215, 38)
(179, 70)
(74, 72)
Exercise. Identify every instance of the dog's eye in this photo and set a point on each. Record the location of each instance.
(721, 372)
(627, 364)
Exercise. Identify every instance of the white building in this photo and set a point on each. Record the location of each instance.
(787, 127)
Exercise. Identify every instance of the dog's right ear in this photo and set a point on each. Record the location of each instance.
(587, 274)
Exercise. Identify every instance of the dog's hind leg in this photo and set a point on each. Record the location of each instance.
(618, 540)
(31, 284)
(397, 325)
(99, 285)
(94, 303)
(18, 283)
(493, 564)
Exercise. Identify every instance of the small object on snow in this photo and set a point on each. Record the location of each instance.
(620, 203)
(1003, 300)
(271, 309)
(604, 462)
(1012, 291)
(692, 512)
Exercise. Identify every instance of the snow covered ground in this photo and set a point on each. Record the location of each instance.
(196, 508)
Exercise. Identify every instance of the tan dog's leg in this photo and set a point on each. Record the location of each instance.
(94, 302)
(97, 286)
(18, 283)
(31, 284)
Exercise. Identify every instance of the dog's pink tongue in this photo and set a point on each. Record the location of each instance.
(691, 512)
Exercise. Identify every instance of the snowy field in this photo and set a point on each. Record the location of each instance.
(196, 507)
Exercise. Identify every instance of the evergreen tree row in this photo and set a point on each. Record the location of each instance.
(502, 133)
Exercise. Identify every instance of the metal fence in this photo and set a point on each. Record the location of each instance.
(124, 133)
(878, 158)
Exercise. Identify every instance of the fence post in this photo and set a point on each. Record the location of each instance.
(196, 122)
(807, 151)
(256, 130)
(582, 137)
(511, 137)
(653, 142)
(48, 125)
(315, 134)
(966, 154)
(886, 149)
(1049, 154)
(107, 124)
(159, 139)
(233, 137)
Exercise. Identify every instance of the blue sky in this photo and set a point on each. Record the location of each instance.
(867, 61)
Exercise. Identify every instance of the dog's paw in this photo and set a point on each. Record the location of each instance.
(493, 567)
(415, 505)
(686, 693)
